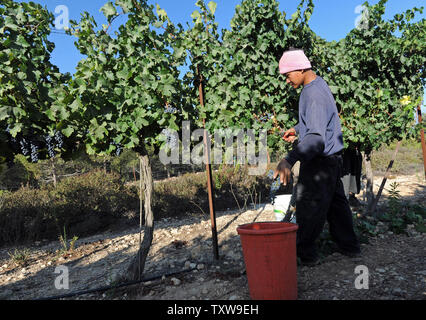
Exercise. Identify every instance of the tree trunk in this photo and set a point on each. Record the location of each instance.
(370, 180)
(137, 265)
(53, 172)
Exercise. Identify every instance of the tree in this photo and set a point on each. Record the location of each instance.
(28, 83)
(377, 78)
(244, 87)
(126, 91)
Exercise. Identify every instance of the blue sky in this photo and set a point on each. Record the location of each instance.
(332, 19)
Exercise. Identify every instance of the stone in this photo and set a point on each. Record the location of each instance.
(175, 281)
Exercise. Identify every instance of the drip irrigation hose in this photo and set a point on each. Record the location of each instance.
(126, 284)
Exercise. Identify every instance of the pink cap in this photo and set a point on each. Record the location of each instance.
(294, 60)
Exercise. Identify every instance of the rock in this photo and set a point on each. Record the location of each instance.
(398, 291)
(200, 266)
(192, 265)
(187, 264)
(175, 281)
(196, 253)
(231, 255)
(381, 270)
(233, 297)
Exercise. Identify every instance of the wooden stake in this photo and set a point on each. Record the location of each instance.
(209, 176)
(379, 193)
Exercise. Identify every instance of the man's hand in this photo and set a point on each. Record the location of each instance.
(290, 135)
(284, 170)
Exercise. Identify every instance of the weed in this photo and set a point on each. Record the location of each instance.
(64, 242)
(20, 256)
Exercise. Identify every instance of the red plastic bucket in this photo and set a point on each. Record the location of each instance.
(269, 250)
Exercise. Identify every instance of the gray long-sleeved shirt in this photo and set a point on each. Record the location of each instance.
(319, 129)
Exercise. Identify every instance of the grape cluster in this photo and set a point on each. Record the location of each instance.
(25, 146)
(171, 139)
(170, 109)
(34, 152)
(50, 146)
(265, 118)
(30, 146)
(59, 139)
(118, 148)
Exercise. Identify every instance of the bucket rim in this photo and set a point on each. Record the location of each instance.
(285, 228)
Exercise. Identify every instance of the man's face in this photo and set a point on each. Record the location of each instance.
(294, 78)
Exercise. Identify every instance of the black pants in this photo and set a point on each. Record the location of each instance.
(320, 196)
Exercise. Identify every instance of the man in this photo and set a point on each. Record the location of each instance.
(320, 193)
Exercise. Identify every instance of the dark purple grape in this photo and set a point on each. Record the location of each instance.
(50, 146)
(59, 139)
(34, 152)
(24, 146)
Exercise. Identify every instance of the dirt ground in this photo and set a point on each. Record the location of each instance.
(396, 264)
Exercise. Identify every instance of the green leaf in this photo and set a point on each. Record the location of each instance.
(109, 10)
(161, 13)
(90, 151)
(125, 4)
(76, 105)
(67, 131)
(4, 112)
(195, 15)
(16, 129)
(22, 42)
(212, 6)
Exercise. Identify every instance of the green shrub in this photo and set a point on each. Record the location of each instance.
(22, 173)
(94, 201)
(83, 205)
(408, 159)
(23, 215)
(233, 188)
(90, 202)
